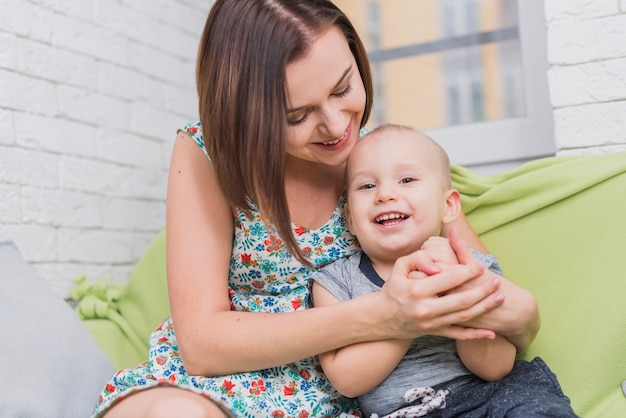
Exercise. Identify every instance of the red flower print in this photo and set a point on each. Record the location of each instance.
(227, 388)
(290, 390)
(257, 388)
(329, 239)
(305, 374)
(300, 230)
(307, 251)
(273, 244)
(246, 259)
(109, 388)
(228, 385)
(192, 129)
(258, 284)
(296, 304)
(161, 360)
(303, 414)
(163, 340)
(278, 414)
(231, 295)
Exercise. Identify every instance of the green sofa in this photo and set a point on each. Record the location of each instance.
(558, 226)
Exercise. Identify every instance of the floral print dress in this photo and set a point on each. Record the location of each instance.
(264, 277)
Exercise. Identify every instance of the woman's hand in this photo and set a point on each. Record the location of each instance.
(517, 318)
(416, 294)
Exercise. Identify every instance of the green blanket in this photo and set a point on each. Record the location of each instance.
(558, 226)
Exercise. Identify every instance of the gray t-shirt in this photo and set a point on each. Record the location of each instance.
(430, 361)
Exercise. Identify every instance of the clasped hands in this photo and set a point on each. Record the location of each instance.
(447, 292)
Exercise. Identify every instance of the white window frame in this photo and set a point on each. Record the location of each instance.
(512, 139)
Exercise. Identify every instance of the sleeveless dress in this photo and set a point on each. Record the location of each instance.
(264, 277)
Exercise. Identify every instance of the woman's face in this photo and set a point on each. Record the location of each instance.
(326, 100)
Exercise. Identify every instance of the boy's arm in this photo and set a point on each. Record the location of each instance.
(490, 360)
(358, 368)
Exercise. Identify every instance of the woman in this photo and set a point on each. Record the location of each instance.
(284, 87)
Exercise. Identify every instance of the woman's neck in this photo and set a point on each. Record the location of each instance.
(313, 191)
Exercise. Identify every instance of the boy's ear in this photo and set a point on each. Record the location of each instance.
(453, 206)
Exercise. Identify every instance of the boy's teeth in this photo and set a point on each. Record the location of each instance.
(386, 217)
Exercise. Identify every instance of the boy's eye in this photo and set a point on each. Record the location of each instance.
(407, 180)
(366, 186)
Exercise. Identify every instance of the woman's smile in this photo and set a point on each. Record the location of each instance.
(339, 143)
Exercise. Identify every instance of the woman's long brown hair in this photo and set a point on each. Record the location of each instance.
(244, 51)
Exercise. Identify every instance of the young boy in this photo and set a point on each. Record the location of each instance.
(399, 199)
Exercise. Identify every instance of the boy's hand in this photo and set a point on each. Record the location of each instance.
(456, 241)
(440, 251)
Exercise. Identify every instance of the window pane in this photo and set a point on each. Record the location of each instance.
(440, 63)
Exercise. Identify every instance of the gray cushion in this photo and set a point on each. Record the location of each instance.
(51, 366)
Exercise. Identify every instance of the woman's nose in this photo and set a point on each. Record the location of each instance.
(333, 123)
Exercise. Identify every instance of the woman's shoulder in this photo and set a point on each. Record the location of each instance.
(194, 130)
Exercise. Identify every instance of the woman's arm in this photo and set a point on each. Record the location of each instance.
(490, 360)
(214, 340)
(358, 368)
(517, 318)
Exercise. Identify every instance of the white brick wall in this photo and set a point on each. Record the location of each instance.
(587, 75)
(91, 95)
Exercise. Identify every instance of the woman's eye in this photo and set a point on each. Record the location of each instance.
(344, 92)
(407, 180)
(366, 186)
(300, 121)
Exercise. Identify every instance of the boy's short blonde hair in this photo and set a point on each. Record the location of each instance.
(443, 161)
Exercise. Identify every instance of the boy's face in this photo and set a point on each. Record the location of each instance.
(397, 197)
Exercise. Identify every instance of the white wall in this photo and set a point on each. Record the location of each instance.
(91, 95)
(587, 75)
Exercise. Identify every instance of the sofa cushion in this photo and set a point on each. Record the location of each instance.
(51, 366)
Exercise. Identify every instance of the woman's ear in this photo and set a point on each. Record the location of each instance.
(453, 206)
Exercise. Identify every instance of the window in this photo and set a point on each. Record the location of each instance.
(471, 73)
